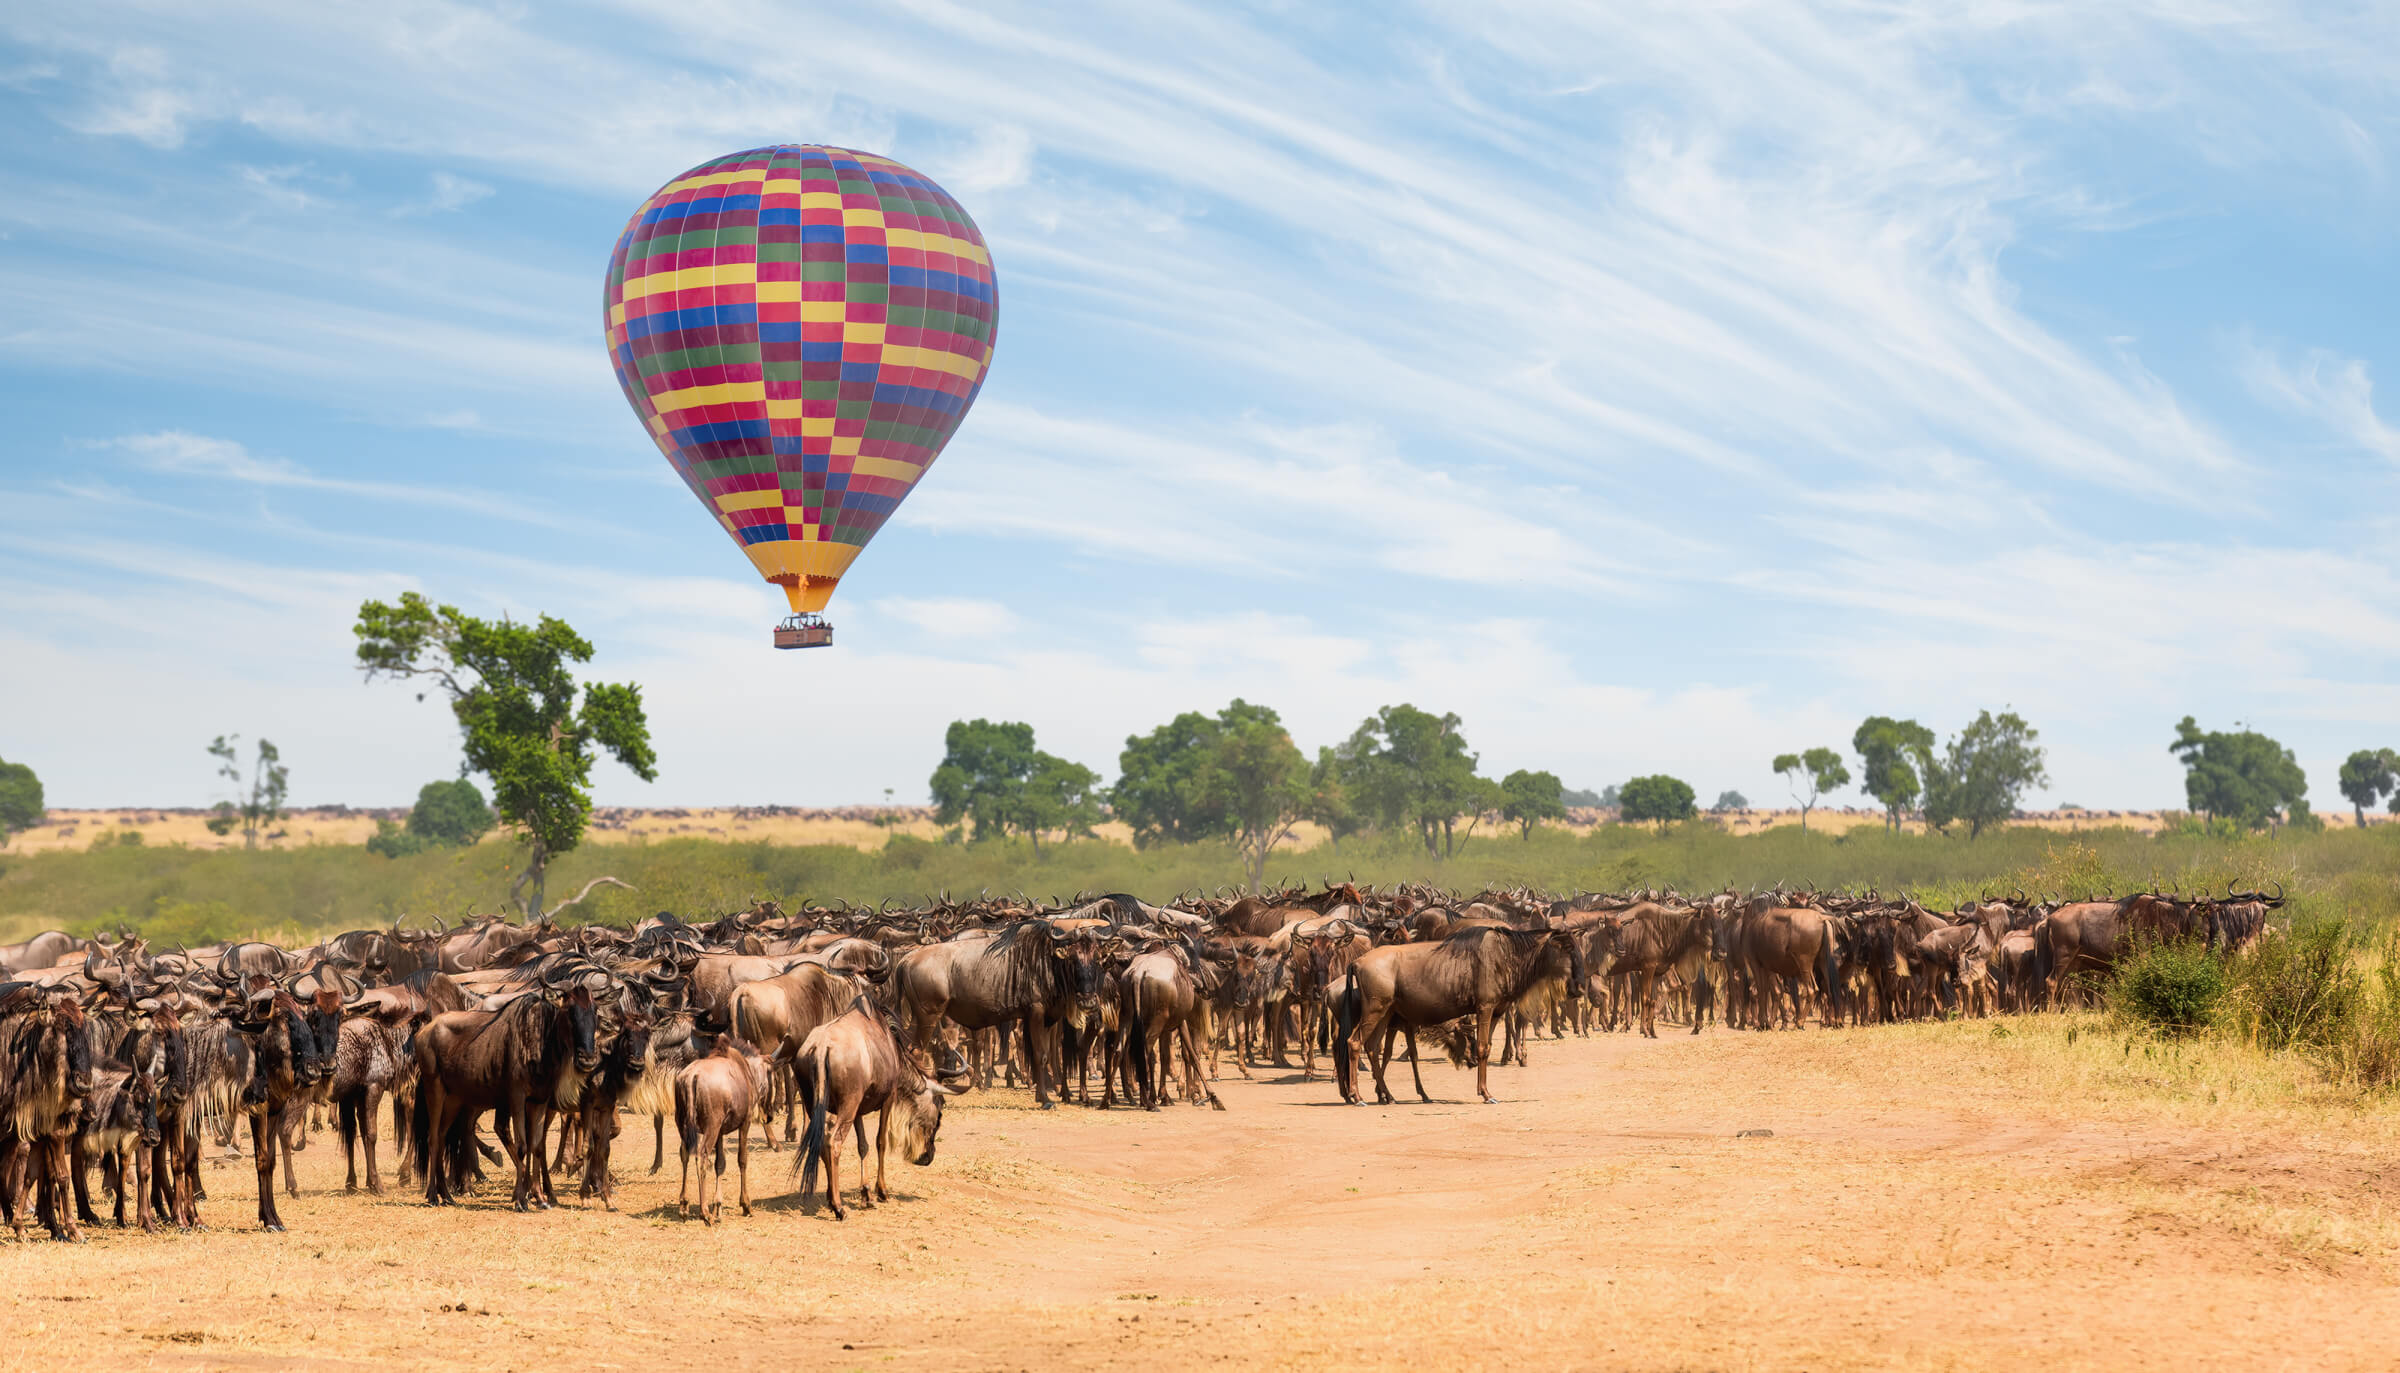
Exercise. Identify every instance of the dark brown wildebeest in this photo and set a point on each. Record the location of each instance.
(284, 1063)
(1401, 988)
(1320, 952)
(1783, 946)
(712, 1095)
(523, 1061)
(1648, 941)
(674, 1042)
(370, 1062)
(45, 1073)
(624, 1061)
(858, 1062)
(2017, 967)
(1033, 974)
(1165, 1008)
(2082, 939)
(118, 1127)
(2242, 917)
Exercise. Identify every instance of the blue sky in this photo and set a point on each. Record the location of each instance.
(1658, 386)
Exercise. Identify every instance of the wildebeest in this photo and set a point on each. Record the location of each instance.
(1648, 941)
(45, 950)
(713, 1095)
(1407, 987)
(45, 1073)
(1033, 974)
(284, 1063)
(1164, 1010)
(370, 1063)
(118, 1128)
(524, 1061)
(853, 1064)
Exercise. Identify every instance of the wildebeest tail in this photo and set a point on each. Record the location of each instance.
(811, 1079)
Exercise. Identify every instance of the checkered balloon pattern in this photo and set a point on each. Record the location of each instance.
(801, 329)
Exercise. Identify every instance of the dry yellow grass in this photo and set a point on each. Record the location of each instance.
(1932, 1196)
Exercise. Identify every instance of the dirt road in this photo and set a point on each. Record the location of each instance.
(1930, 1197)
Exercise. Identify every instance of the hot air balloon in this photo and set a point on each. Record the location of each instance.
(801, 329)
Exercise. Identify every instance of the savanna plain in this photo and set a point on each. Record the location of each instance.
(2053, 1190)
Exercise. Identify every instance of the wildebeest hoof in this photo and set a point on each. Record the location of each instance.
(273, 1228)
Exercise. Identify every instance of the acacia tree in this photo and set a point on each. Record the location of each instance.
(21, 805)
(262, 804)
(516, 702)
(1819, 769)
(1886, 748)
(2367, 776)
(1528, 798)
(2242, 775)
(1989, 765)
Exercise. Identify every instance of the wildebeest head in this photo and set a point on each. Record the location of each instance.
(921, 1118)
(1079, 957)
(583, 1026)
(71, 1046)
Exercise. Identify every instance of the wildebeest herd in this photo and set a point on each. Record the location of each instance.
(117, 1054)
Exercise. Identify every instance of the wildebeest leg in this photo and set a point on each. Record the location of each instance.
(1483, 1055)
(741, 1156)
(78, 1166)
(265, 1129)
(883, 1137)
(685, 1147)
(1416, 1073)
(283, 1140)
(658, 1142)
(858, 1131)
(539, 1113)
(1029, 1030)
(520, 1140)
(366, 1123)
(141, 1185)
(1201, 1091)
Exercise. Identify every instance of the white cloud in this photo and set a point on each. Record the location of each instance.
(2336, 392)
(951, 618)
(196, 455)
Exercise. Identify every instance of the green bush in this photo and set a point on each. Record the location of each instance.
(2296, 988)
(2171, 988)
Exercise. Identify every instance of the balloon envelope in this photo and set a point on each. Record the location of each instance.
(801, 329)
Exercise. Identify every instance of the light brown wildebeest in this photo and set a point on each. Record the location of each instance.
(1648, 941)
(712, 1095)
(1165, 1008)
(1774, 946)
(856, 1063)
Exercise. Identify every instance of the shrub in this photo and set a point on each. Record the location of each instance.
(2295, 988)
(2171, 988)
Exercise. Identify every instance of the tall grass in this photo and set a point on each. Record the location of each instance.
(204, 894)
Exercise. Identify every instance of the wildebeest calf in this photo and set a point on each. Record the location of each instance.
(712, 1095)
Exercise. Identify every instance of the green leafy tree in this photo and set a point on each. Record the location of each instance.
(985, 764)
(1412, 768)
(1731, 800)
(1889, 752)
(1162, 789)
(528, 726)
(2241, 776)
(261, 803)
(992, 775)
(21, 805)
(1988, 766)
(1528, 798)
(1258, 779)
(1330, 802)
(447, 815)
(1158, 775)
(1658, 797)
(1819, 771)
(1060, 796)
(2367, 777)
